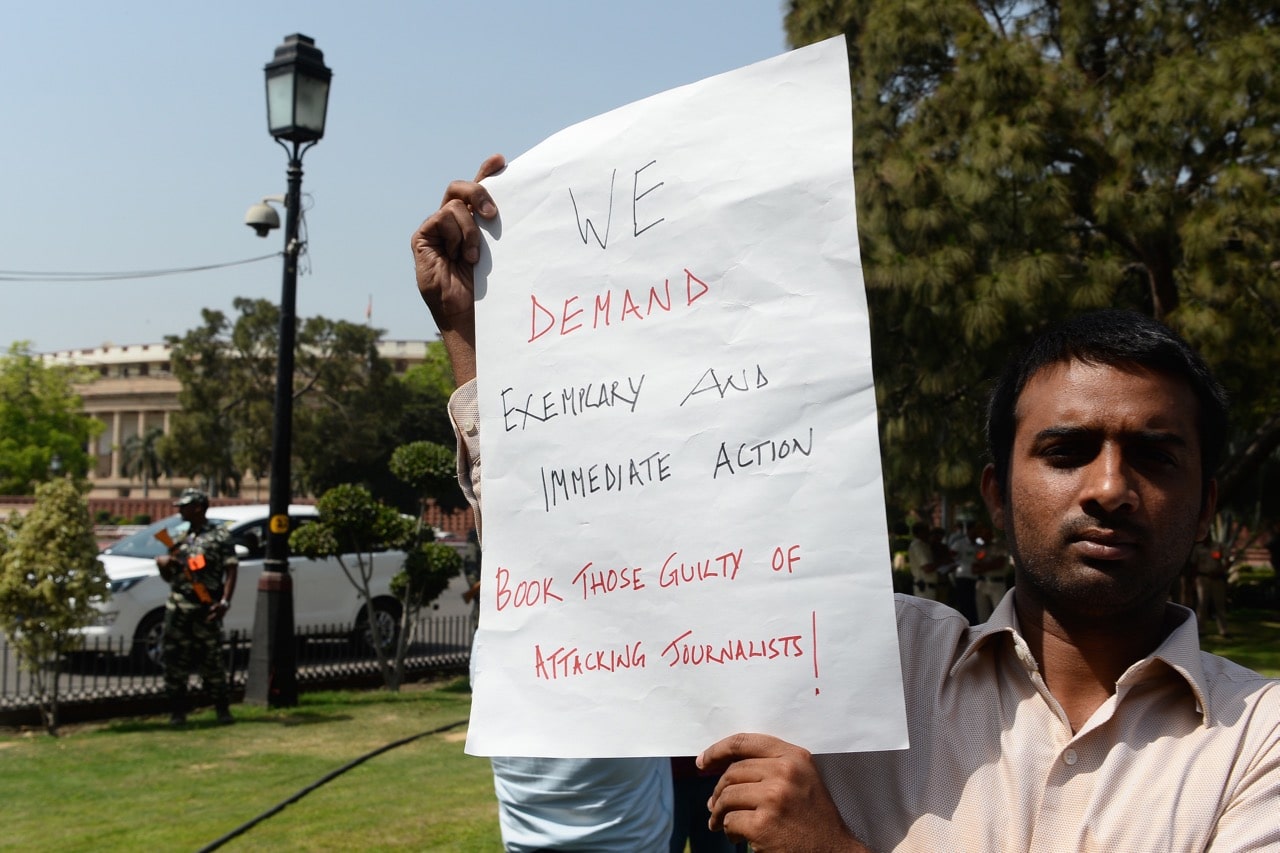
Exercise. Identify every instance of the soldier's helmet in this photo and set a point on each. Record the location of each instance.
(192, 496)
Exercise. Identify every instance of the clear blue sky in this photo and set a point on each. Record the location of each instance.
(134, 138)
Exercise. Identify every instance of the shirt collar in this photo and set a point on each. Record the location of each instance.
(1180, 650)
(1003, 620)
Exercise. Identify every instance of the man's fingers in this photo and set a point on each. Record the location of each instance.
(740, 746)
(735, 789)
(492, 165)
(449, 232)
(733, 811)
(473, 195)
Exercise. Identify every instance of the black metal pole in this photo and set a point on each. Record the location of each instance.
(272, 679)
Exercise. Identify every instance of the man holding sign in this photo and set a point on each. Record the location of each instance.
(1083, 715)
(587, 804)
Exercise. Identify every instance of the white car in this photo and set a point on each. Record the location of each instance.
(131, 618)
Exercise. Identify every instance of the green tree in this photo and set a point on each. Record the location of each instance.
(349, 409)
(434, 376)
(428, 568)
(40, 418)
(1019, 161)
(49, 575)
(424, 416)
(353, 524)
(429, 470)
(140, 456)
(201, 436)
(348, 399)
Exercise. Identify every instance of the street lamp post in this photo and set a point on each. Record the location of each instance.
(297, 100)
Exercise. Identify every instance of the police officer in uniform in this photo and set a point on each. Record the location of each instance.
(201, 570)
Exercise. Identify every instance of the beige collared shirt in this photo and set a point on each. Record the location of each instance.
(1184, 757)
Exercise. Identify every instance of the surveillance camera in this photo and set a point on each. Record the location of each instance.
(262, 218)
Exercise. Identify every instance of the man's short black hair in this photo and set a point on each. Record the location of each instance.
(1115, 338)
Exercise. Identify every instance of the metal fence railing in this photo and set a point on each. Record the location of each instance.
(101, 671)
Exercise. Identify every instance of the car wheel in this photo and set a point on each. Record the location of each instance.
(148, 641)
(387, 615)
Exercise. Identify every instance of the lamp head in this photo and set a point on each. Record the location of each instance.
(297, 90)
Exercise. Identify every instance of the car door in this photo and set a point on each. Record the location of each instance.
(250, 540)
(322, 593)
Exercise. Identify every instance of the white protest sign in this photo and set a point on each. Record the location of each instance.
(684, 531)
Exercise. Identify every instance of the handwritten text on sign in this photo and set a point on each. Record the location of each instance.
(684, 523)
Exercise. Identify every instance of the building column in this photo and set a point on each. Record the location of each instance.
(115, 445)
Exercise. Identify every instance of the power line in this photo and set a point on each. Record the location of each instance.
(324, 780)
(30, 276)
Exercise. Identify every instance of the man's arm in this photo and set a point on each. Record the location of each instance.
(771, 796)
(446, 247)
(229, 585)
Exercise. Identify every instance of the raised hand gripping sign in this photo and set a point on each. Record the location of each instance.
(684, 517)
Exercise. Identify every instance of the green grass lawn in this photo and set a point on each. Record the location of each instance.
(134, 785)
(137, 784)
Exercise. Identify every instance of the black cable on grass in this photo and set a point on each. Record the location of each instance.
(328, 777)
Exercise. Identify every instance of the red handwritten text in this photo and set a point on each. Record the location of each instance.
(786, 559)
(603, 581)
(526, 594)
(564, 317)
(563, 663)
(674, 573)
(683, 650)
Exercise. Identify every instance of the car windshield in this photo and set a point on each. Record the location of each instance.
(145, 544)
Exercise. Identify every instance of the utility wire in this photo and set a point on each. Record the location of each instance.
(29, 276)
(274, 810)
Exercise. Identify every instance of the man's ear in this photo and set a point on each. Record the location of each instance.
(993, 496)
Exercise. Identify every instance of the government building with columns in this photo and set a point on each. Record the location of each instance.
(134, 390)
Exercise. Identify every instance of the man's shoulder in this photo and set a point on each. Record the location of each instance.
(218, 537)
(910, 608)
(929, 624)
(1233, 688)
(216, 533)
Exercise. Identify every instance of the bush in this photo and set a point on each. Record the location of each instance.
(428, 569)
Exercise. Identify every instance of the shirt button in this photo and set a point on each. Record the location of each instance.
(1069, 758)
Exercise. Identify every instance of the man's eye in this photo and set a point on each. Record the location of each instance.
(1065, 455)
(1157, 456)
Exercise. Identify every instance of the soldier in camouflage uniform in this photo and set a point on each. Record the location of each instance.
(201, 570)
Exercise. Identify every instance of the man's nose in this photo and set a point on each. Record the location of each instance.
(1109, 482)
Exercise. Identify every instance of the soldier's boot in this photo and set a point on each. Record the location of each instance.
(224, 715)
